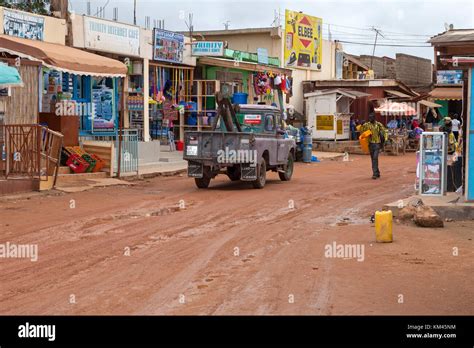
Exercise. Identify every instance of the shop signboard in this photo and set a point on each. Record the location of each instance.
(24, 25)
(449, 77)
(303, 41)
(110, 36)
(325, 122)
(208, 48)
(168, 46)
(102, 98)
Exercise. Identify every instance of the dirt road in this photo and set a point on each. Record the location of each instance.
(234, 250)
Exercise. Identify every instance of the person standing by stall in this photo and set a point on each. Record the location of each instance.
(456, 125)
(376, 141)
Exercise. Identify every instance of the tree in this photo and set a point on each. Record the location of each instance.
(34, 6)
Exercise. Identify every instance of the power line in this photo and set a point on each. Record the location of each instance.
(369, 29)
(385, 45)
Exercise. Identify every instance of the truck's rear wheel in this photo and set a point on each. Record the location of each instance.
(203, 182)
(288, 173)
(261, 175)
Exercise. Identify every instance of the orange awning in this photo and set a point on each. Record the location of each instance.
(63, 58)
(447, 93)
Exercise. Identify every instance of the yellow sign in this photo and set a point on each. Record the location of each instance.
(339, 127)
(325, 122)
(303, 41)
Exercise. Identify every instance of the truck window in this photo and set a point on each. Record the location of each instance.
(269, 123)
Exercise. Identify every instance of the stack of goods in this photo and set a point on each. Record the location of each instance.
(135, 103)
(82, 162)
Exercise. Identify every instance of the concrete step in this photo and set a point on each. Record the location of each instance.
(64, 170)
(68, 178)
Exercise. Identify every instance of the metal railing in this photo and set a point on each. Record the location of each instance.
(29, 151)
(128, 149)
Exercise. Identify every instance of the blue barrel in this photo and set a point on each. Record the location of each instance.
(240, 98)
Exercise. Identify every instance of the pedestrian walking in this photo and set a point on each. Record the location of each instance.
(376, 140)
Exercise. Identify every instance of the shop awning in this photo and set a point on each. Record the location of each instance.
(229, 63)
(429, 104)
(9, 77)
(446, 93)
(390, 108)
(62, 58)
(397, 93)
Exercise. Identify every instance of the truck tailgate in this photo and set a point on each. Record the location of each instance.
(204, 145)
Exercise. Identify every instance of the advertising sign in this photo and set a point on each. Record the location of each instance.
(23, 25)
(303, 41)
(168, 46)
(109, 36)
(325, 122)
(208, 48)
(449, 77)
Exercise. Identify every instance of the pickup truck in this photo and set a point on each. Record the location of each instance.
(244, 142)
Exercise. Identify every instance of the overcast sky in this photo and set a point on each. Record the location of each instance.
(401, 22)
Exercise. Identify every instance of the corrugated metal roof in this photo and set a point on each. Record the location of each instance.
(447, 93)
(397, 93)
(455, 35)
(345, 92)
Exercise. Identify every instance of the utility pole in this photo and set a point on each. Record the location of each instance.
(377, 33)
(134, 12)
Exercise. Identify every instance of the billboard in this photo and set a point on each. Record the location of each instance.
(208, 48)
(109, 36)
(23, 25)
(303, 41)
(449, 77)
(168, 46)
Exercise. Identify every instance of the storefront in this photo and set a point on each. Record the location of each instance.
(71, 84)
(170, 87)
(240, 77)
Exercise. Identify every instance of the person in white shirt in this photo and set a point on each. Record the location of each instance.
(456, 126)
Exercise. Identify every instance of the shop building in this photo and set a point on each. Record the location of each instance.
(454, 66)
(159, 80)
(272, 39)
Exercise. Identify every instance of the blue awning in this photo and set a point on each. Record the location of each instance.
(9, 77)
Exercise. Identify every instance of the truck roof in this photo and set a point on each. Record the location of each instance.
(258, 107)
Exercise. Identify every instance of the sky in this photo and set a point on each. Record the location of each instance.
(406, 23)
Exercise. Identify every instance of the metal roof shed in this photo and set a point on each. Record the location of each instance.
(328, 112)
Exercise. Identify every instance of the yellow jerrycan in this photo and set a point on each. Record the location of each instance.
(383, 226)
(364, 140)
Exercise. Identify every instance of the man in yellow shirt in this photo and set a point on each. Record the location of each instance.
(375, 142)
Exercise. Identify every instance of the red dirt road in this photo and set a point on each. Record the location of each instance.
(234, 249)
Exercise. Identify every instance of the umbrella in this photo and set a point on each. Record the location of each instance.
(396, 109)
(9, 77)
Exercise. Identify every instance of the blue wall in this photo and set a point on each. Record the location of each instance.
(470, 145)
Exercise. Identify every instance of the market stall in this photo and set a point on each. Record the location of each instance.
(328, 113)
(73, 83)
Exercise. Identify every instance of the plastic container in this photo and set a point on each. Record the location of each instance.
(240, 98)
(364, 141)
(383, 226)
(180, 145)
(307, 153)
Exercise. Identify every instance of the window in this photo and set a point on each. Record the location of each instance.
(269, 123)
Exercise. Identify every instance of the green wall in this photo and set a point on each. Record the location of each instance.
(444, 110)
